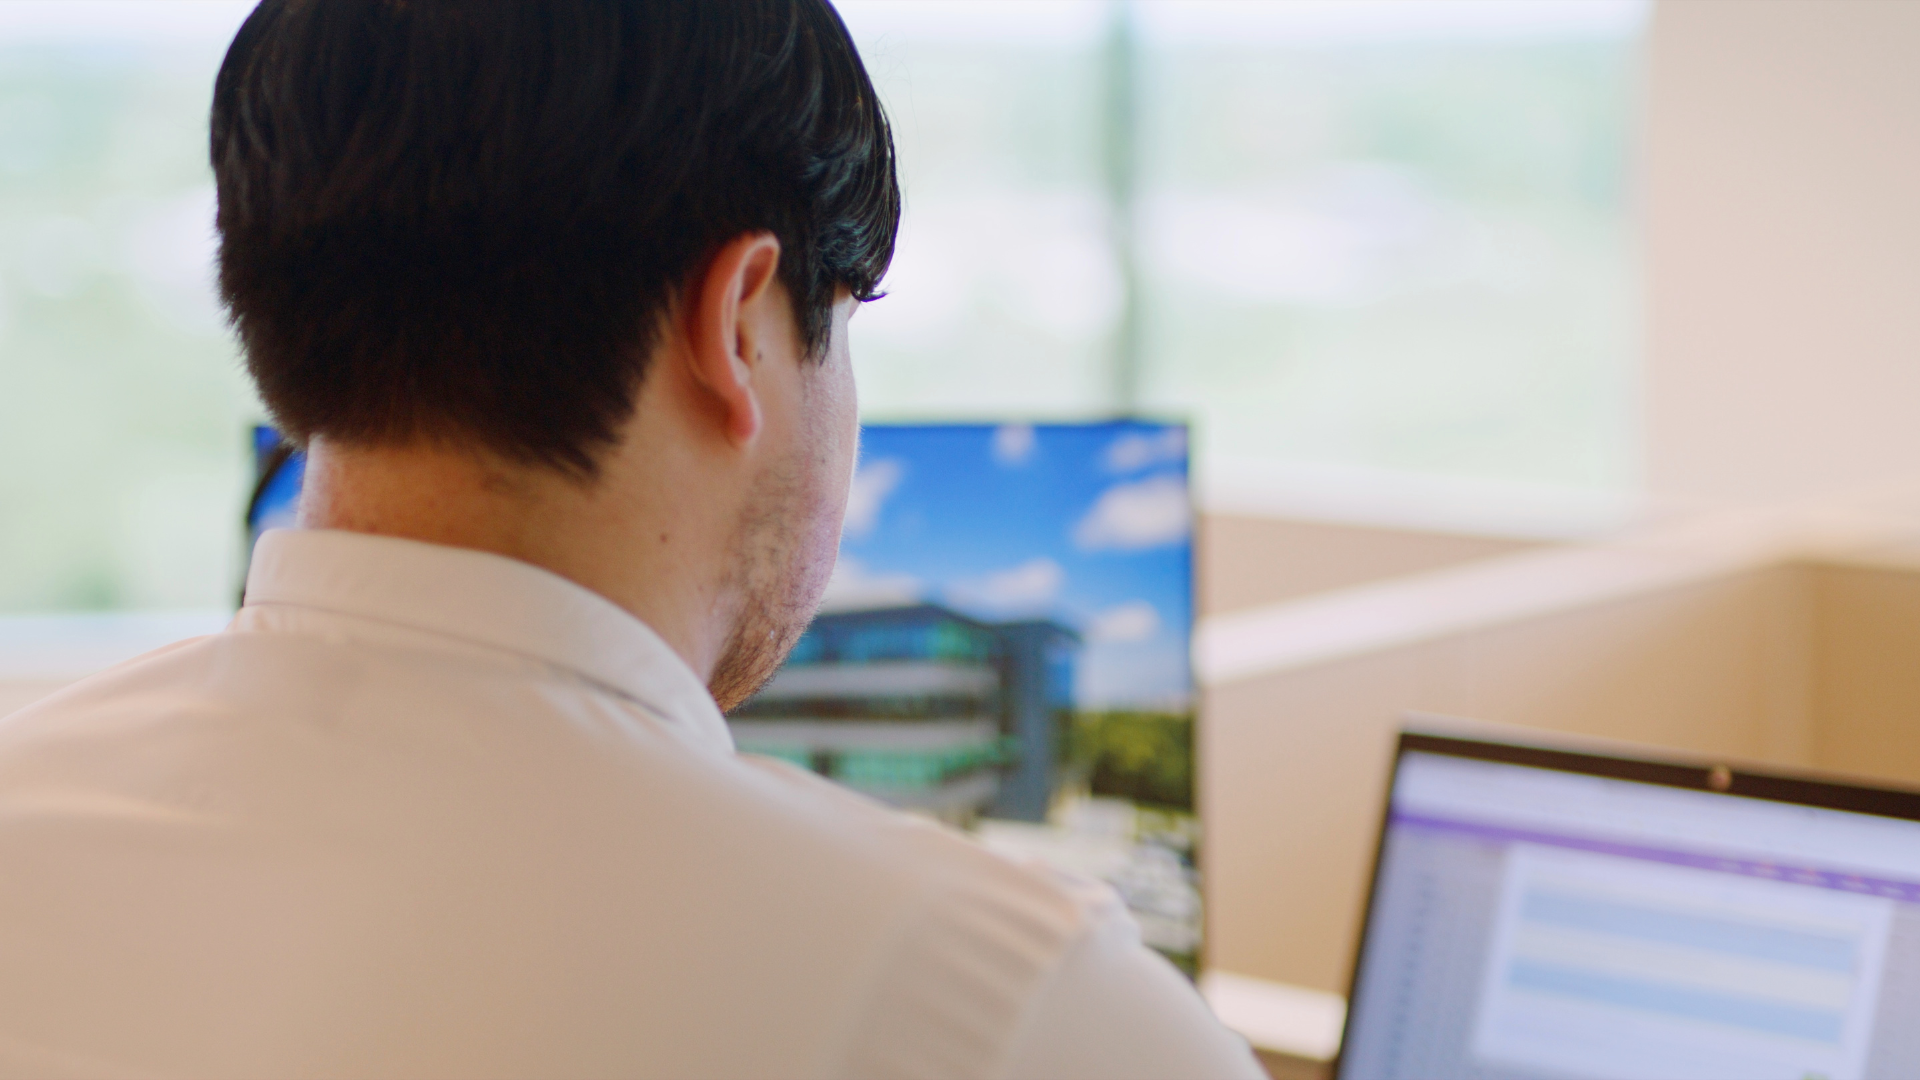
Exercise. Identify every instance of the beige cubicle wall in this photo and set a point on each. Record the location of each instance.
(1247, 560)
(1799, 663)
(1866, 660)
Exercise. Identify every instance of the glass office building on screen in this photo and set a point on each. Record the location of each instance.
(1004, 646)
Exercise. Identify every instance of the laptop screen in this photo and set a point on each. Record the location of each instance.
(1529, 920)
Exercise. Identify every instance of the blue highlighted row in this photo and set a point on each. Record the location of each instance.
(1754, 1014)
(1823, 952)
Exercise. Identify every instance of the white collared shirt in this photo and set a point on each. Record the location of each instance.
(427, 812)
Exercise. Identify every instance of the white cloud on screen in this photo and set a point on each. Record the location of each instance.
(1013, 443)
(1132, 516)
(853, 587)
(1138, 450)
(1136, 620)
(874, 481)
(1030, 587)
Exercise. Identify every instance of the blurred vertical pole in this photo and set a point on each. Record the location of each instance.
(1120, 69)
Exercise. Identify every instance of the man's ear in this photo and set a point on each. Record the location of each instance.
(724, 338)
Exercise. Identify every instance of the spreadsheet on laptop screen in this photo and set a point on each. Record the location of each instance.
(1529, 922)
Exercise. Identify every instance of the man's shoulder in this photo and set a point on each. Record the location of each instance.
(878, 942)
(941, 865)
(974, 938)
(276, 697)
(146, 678)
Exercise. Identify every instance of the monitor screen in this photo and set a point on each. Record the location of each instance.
(278, 470)
(1533, 922)
(1003, 646)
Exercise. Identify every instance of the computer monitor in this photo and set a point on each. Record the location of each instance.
(1003, 646)
(1544, 913)
(278, 470)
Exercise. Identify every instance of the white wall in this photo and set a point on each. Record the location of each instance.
(1783, 233)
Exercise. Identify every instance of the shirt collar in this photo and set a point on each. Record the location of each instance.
(485, 599)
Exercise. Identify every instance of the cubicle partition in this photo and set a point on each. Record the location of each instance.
(1780, 639)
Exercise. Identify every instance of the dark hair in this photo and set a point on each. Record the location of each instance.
(466, 219)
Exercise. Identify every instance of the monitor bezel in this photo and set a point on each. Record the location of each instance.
(1722, 778)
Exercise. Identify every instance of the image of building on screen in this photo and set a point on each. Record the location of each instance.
(1004, 647)
(923, 707)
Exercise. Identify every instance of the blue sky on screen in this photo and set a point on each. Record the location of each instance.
(1089, 525)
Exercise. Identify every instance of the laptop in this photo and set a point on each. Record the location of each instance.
(1540, 912)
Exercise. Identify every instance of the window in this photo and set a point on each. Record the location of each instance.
(1004, 293)
(123, 412)
(1392, 236)
(1349, 238)
(1369, 236)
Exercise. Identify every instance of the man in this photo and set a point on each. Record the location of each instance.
(556, 296)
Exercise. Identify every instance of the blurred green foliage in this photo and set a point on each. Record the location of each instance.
(1139, 755)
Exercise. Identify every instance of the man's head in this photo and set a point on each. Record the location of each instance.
(574, 243)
